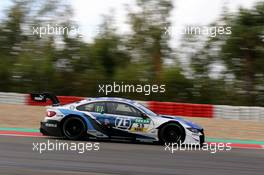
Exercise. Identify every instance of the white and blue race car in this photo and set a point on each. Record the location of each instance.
(115, 118)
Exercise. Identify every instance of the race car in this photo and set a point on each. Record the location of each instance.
(115, 118)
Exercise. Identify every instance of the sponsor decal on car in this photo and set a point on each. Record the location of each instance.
(138, 127)
(142, 121)
(122, 123)
(52, 125)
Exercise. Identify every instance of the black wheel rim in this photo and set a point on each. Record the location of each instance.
(73, 128)
(172, 135)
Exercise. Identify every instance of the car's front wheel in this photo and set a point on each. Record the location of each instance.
(74, 128)
(172, 133)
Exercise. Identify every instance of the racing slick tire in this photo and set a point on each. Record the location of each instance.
(74, 128)
(172, 133)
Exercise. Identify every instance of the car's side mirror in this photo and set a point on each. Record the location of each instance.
(144, 116)
(102, 112)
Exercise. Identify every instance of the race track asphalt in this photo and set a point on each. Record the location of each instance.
(17, 157)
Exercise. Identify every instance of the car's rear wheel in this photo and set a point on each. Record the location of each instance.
(74, 128)
(172, 133)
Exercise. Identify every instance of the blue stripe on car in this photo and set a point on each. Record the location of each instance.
(80, 114)
(187, 122)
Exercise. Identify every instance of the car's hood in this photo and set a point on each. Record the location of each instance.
(179, 119)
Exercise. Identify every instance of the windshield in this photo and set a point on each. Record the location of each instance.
(146, 110)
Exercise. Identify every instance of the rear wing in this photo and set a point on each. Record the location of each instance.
(43, 97)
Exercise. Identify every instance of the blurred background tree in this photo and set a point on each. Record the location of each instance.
(240, 56)
(148, 43)
(243, 53)
(226, 69)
